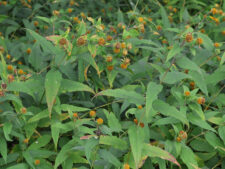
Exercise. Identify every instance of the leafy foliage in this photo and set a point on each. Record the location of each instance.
(112, 84)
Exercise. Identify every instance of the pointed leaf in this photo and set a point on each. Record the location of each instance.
(3, 148)
(113, 141)
(199, 80)
(171, 111)
(153, 151)
(109, 157)
(73, 86)
(222, 133)
(188, 157)
(199, 122)
(136, 138)
(173, 52)
(113, 122)
(52, 85)
(39, 116)
(153, 90)
(130, 96)
(7, 128)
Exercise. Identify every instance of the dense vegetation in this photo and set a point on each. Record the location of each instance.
(112, 84)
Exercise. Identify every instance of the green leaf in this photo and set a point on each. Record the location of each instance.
(153, 151)
(113, 122)
(132, 33)
(52, 85)
(3, 17)
(198, 109)
(221, 131)
(120, 18)
(109, 157)
(136, 138)
(7, 128)
(40, 142)
(47, 20)
(89, 146)
(153, 90)
(216, 76)
(55, 132)
(173, 77)
(165, 20)
(173, 52)
(89, 59)
(165, 121)
(199, 80)
(170, 111)
(81, 29)
(46, 45)
(67, 107)
(19, 87)
(201, 145)
(39, 116)
(19, 166)
(214, 141)
(199, 122)
(73, 86)
(28, 158)
(130, 96)
(111, 77)
(186, 63)
(188, 157)
(63, 154)
(113, 141)
(207, 42)
(142, 42)
(223, 57)
(3, 149)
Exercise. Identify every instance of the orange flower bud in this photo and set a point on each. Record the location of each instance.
(8, 56)
(81, 41)
(20, 72)
(217, 45)
(189, 37)
(110, 68)
(126, 166)
(28, 51)
(199, 41)
(99, 121)
(26, 141)
(178, 139)
(10, 67)
(37, 162)
(140, 107)
(187, 93)
(109, 38)
(75, 115)
(101, 41)
(92, 113)
(142, 125)
(69, 10)
(158, 27)
(123, 66)
(23, 110)
(123, 45)
(140, 19)
(109, 59)
(116, 50)
(201, 100)
(36, 23)
(135, 121)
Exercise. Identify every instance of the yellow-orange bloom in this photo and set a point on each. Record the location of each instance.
(100, 121)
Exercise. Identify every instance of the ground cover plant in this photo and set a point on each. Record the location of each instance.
(112, 84)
